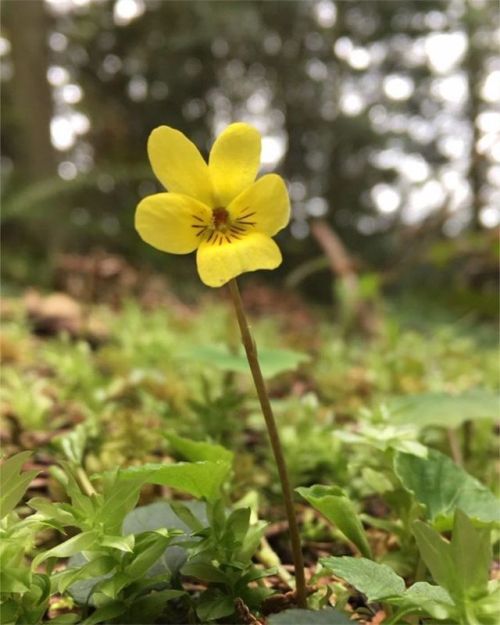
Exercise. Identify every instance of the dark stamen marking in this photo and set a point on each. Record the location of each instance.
(246, 223)
(245, 216)
(197, 218)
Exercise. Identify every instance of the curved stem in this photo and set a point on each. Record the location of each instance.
(265, 404)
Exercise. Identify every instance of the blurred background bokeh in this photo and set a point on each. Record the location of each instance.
(382, 116)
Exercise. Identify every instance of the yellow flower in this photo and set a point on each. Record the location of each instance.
(217, 209)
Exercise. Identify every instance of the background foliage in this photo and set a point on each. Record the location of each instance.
(379, 114)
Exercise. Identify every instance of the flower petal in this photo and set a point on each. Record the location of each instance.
(178, 164)
(171, 222)
(234, 161)
(217, 264)
(265, 204)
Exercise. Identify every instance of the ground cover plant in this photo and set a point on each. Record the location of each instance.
(192, 530)
(159, 499)
(189, 533)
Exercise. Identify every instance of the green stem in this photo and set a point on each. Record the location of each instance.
(85, 483)
(265, 404)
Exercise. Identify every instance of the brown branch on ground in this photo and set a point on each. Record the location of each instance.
(343, 266)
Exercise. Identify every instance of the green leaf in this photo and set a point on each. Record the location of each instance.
(204, 571)
(81, 502)
(213, 604)
(328, 616)
(105, 613)
(471, 554)
(442, 486)
(376, 581)
(435, 552)
(102, 565)
(200, 479)
(13, 483)
(334, 504)
(77, 543)
(9, 612)
(462, 565)
(237, 525)
(15, 579)
(149, 547)
(431, 599)
(122, 543)
(272, 361)
(147, 609)
(159, 515)
(187, 516)
(196, 451)
(442, 409)
(53, 511)
(73, 444)
(112, 586)
(119, 498)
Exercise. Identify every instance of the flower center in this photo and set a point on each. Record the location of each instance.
(223, 228)
(220, 218)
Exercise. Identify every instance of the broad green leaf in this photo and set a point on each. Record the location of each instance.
(13, 483)
(77, 543)
(204, 571)
(113, 585)
(486, 608)
(187, 516)
(237, 524)
(272, 361)
(106, 612)
(462, 565)
(15, 579)
(53, 511)
(160, 515)
(119, 498)
(147, 609)
(36, 600)
(213, 604)
(334, 504)
(252, 541)
(328, 616)
(444, 410)
(122, 543)
(436, 554)
(196, 451)
(442, 487)
(431, 599)
(376, 581)
(377, 480)
(471, 554)
(149, 548)
(9, 611)
(102, 565)
(200, 479)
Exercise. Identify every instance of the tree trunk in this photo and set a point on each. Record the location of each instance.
(27, 24)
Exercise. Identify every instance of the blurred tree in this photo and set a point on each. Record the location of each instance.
(373, 111)
(29, 142)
